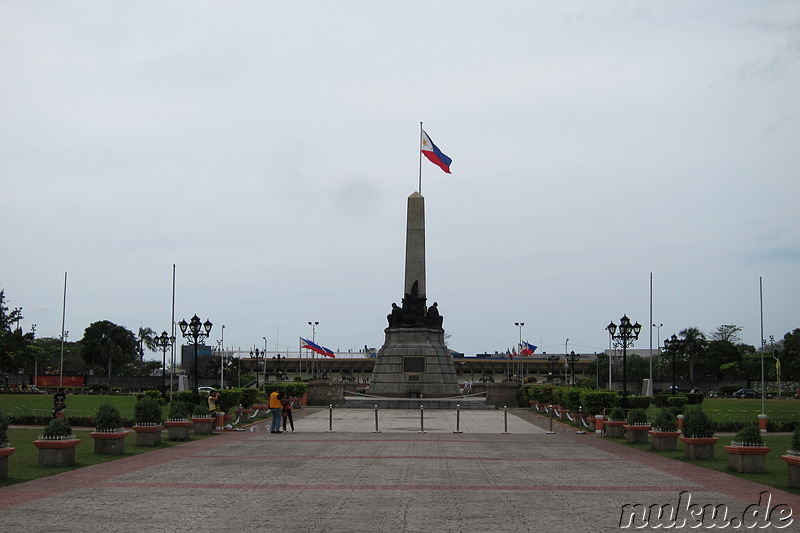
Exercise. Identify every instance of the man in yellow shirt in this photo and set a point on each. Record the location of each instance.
(275, 407)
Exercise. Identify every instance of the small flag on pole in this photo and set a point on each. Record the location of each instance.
(313, 346)
(434, 155)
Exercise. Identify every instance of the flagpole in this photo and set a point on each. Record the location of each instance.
(420, 158)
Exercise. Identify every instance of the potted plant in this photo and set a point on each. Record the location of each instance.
(109, 436)
(665, 431)
(178, 422)
(5, 449)
(747, 452)
(615, 425)
(148, 417)
(698, 434)
(202, 421)
(637, 427)
(57, 444)
(792, 459)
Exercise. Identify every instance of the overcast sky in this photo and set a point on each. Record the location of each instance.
(267, 149)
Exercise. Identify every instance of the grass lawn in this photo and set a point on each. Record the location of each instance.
(776, 474)
(23, 464)
(77, 404)
(731, 409)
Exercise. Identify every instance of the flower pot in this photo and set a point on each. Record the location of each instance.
(4, 453)
(615, 428)
(178, 429)
(665, 441)
(793, 462)
(260, 409)
(109, 442)
(203, 425)
(148, 434)
(57, 452)
(699, 447)
(747, 459)
(636, 434)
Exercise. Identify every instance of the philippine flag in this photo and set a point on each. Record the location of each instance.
(313, 346)
(433, 153)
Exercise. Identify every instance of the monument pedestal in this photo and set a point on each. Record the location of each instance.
(414, 362)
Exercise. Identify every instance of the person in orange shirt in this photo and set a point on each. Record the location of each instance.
(275, 408)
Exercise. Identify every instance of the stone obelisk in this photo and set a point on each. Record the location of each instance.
(414, 361)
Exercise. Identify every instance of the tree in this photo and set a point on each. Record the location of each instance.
(790, 356)
(110, 345)
(13, 342)
(719, 354)
(727, 332)
(693, 348)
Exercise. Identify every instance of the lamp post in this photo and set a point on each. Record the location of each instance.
(552, 361)
(265, 360)
(627, 335)
(573, 358)
(258, 366)
(197, 331)
(672, 346)
(658, 347)
(222, 359)
(164, 342)
(519, 346)
(314, 354)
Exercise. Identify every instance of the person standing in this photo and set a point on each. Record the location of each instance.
(59, 403)
(287, 412)
(275, 407)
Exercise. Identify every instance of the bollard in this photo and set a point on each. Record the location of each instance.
(580, 421)
(376, 419)
(421, 420)
(330, 419)
(550, 410)
(598, 425)
(762, 423)
(458, 419)
(505, 420)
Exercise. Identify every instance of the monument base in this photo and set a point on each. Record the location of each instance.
(414, 363)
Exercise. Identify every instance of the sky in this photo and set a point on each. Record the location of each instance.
(267, 151)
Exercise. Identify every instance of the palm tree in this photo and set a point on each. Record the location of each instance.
(693, 348)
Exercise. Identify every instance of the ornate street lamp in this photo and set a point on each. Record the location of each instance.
(573, 358)
(628, 334)
(256, 353)
(164, 342)
(197, 331)
(672, 346)
(552, 361)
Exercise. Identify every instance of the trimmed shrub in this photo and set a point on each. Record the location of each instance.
(749, 434)
(796, 439)
(229, 400)
(596, 402)
(199, 410)
(695, 398)
(179, 410)
(637, 417)
(728, 390)
(185, 396)
(639, 402)
(696, 423)
(248, 397)
(148, 411)
(58, 427)
(617, 413)
(99, 388)
(665, 420)
(3, 430)
(677, 404)
(107, 418)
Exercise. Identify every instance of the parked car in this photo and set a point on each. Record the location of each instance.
(746, 393)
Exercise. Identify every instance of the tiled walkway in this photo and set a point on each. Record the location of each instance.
(414, 474)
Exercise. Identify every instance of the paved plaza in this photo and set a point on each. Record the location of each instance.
(503, 472)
